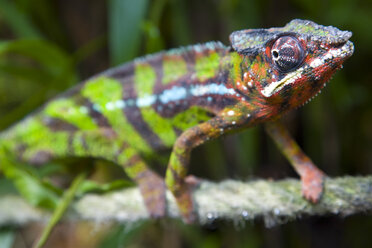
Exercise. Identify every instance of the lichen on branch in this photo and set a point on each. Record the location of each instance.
(275, 202)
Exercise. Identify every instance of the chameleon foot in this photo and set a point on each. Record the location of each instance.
(153, 189)
(185, 204)
(312, 184)
(184, 199)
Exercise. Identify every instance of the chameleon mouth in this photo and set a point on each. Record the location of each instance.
(274, 87)
(338, 54)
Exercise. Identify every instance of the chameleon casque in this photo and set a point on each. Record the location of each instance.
(182, 98)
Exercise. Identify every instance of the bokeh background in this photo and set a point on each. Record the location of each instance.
(47, 46)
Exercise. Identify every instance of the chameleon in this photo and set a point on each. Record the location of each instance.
(181, 98)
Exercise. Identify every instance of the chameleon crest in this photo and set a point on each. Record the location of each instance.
(253, 40)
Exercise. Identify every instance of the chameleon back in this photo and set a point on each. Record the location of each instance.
(144, 106)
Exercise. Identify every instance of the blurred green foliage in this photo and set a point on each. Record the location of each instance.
(46, 46)
(125, 21)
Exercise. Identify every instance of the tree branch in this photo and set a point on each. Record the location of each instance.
(274, 202)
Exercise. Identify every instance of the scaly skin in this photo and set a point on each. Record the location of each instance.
(181, 99)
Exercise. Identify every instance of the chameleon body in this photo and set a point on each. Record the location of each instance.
(181, 98)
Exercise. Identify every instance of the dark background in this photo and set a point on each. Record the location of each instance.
(46, 46)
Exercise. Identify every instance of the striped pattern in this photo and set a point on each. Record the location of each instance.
(144, 104)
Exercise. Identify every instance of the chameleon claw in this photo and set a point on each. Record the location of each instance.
(313, 185)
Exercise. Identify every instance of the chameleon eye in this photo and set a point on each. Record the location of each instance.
(287, 53)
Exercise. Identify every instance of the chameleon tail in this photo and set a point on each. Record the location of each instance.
(36, 191)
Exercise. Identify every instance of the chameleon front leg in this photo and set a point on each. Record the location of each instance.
(312, 178)
(180, 156)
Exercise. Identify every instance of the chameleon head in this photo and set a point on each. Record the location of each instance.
(292, 64)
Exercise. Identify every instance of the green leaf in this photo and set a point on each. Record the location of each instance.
(49, 169)
(50, 57)
(90, 186)
(125, 19)
(35, 191)
(68, 196)
(47, 17)
(7, 187)
(154, 41)
(181, 32)
(18, 21)
(33, 66)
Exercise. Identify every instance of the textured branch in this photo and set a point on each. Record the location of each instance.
(275, 202)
